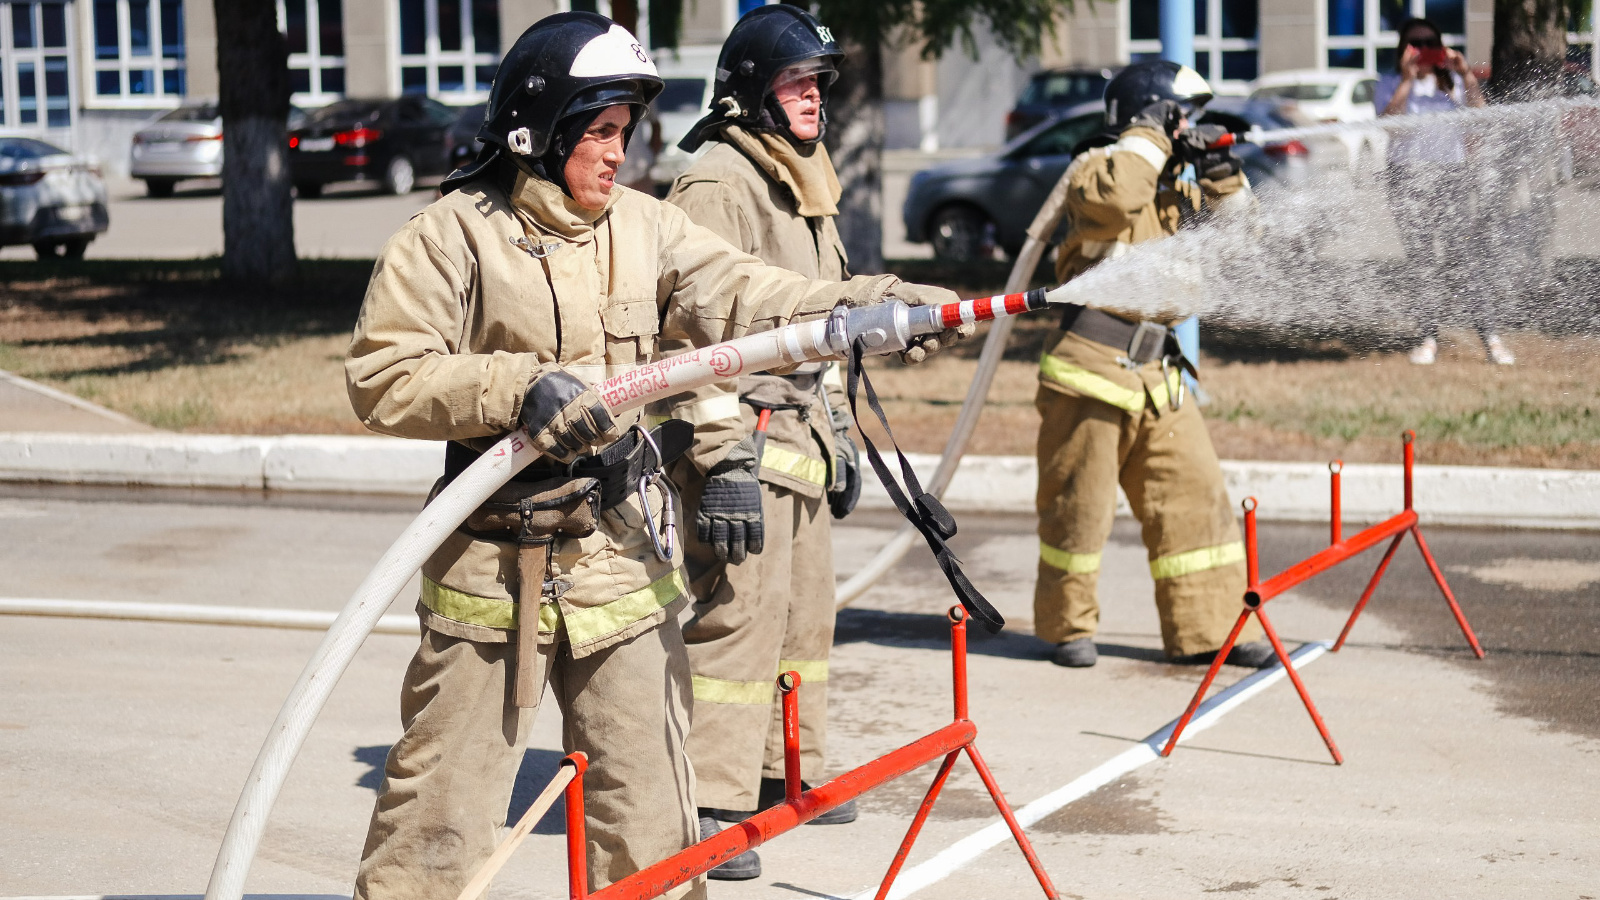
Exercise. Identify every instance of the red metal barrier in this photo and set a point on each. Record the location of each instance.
(1257, 592)
(800, 807)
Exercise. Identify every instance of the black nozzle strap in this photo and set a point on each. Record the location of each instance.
(922, 509)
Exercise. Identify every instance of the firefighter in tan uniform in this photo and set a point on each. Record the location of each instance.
(760, 554)
(497, 308)
(1111, 390)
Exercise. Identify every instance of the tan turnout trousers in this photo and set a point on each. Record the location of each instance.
(626, 706)
(1168, 469)
(777, 605)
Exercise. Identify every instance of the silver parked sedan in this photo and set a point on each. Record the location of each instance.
(49, 198)
(182, 144)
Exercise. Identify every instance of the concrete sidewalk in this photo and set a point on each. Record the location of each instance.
(50, 437)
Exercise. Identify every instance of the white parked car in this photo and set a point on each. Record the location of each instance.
(1331, 96)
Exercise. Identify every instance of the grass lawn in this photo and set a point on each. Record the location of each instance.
(167, 343)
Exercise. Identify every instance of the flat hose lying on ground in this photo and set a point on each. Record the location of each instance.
(994, 347)
(883, 328)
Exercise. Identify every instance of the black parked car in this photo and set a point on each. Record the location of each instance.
(969, 207)
(1053, 92)
(389, 141)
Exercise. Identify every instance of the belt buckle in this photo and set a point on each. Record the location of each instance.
(1147, 343)
(555, 588)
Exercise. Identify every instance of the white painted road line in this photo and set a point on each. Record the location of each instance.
(969, 848)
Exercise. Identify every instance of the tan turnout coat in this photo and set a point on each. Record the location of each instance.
(485, 286)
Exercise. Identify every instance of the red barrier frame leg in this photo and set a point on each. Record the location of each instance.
(1011, 821)
(1450, 598)
(917, 823)
(577, 835)
(1205, 683)
(1366, 595)
(1305, 696)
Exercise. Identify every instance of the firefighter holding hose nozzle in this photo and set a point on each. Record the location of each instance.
(1111, 389)
(496, 309)
(772, 461)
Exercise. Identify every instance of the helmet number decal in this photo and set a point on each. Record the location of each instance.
(638, 51)
(825, 34)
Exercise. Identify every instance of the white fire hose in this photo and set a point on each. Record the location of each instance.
(883, 328)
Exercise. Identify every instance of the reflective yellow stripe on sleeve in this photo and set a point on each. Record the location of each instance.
(716, 408)
(1192, 561)
(745, 693)
(598, 621)
(485, 611)
(795, 465)
(1068, 562)
(809, 670)
(1095, 386)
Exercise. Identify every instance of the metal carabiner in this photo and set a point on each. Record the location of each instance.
(664, 539)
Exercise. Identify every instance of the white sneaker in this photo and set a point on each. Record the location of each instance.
(1499, 353)
(1425, 353)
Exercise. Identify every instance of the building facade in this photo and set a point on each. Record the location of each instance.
(87, 73)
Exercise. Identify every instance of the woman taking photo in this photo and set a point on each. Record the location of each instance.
(1430, 188)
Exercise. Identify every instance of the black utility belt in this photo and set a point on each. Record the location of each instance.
(1140, 342)
(617, 468)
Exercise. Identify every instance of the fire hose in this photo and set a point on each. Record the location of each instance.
(879, 329)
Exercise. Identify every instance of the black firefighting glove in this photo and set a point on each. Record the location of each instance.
(1162, 115)
(729, 517)
(565, 417)
(1194, 147)
(845, 491)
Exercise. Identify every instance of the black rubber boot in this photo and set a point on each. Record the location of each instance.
(743, 867)
(772, 795)
(1078, 654)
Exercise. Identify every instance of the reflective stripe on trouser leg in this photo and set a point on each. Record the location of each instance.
(735, 639)
(1078, 452)
(807, 638)
(1174, 484)
(448, 780)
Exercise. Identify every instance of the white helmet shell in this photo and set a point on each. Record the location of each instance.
(615, 54)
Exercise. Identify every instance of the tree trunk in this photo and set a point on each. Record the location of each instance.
(257, 210)
(855, 141)
(1530, 49)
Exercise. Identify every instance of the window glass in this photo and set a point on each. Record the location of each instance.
(330, 32)
(172, 82)
(449, 25)
(1449, 15)
(343, 112)
(413, 28)
(105, 31)
(141, 82)
(681, 95)
(201, 112)
(27, 94)
(172, 29)
(1347, 17)
(294, 25)
(438, 113)
(483, 77)
(22, 26)
(57, 103)
(1391, 13)
(139, 27)
(1239, 65)
(1144, 20)
(1363, 91)
(452, 79)
(333, 80)
(1202, 63)
(1238, 21)
(1386, 59)
(1202, 15)
(299, 81)
(1063, 89)
(108, 84)
(486, 26)
(413, 80)
(53, 19)
(1347, 59)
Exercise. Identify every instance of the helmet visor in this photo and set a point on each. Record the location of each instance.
(821, 67)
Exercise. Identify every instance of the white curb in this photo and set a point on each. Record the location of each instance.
(1450, 495)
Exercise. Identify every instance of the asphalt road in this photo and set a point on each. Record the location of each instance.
(123, 745)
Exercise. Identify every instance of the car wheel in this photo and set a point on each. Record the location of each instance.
(46, 249)
(399, 177)
(159, 187)
(74, 249)
(961, 233)
(308, 190)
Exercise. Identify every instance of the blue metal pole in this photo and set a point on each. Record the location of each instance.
(1177, 44)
